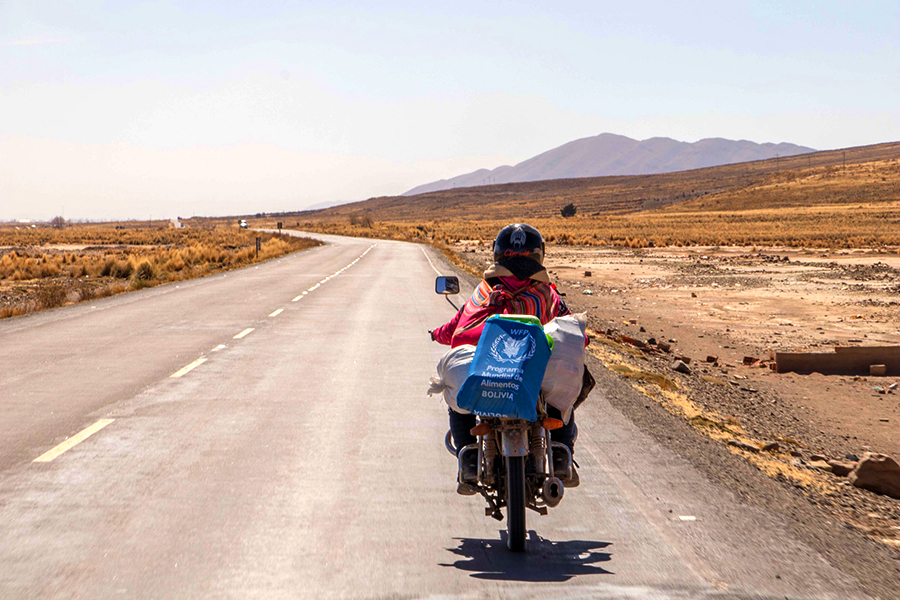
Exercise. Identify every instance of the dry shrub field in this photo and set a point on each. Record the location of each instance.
(45, 267)
(859, 226)
(840, 199)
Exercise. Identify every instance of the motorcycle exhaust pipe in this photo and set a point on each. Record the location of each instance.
(448, 443)
(553, 491)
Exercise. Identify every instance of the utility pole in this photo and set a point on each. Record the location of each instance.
(845, 160)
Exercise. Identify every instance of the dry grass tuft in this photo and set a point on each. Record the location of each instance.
(602, 339)
(51, 296)
(703, 421)
(657, 379)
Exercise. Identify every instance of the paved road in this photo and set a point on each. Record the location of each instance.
(303, 460)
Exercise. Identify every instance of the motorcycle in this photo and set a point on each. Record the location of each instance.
(515, 461)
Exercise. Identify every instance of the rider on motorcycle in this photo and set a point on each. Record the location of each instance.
(517, 283)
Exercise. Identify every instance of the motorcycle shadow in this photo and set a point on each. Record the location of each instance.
(543, 561)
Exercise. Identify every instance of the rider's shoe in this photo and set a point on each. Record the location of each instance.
(466, 489)
(573, 481)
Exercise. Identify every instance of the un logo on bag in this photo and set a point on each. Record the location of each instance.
(507, 349)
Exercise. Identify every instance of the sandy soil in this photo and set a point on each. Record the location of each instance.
(732, 304)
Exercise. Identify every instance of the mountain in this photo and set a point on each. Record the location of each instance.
(610, 154)
(327, 204)
(814, 179)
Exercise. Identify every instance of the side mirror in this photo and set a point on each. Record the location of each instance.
(446, 285)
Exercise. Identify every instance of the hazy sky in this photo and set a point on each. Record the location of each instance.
(127, 109)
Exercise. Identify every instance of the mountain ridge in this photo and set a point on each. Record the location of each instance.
(611, 154)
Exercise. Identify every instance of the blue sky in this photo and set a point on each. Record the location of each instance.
(125, 109)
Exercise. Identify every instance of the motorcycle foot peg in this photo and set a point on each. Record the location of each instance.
(494, 513)
(552, 491)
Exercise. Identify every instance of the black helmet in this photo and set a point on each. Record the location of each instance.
(521, 240)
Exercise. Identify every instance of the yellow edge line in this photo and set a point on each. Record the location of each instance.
(277, 312)
(73, 441)
(188, 368)
(244, 333)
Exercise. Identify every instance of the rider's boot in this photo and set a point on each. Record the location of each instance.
(466, 489)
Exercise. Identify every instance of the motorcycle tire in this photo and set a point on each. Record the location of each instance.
(515, 503)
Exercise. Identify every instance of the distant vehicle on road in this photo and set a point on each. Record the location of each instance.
(243, 224)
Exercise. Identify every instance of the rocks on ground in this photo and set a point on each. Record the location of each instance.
(681, 367)
(841, 468)
(743, 446)
(877, 473)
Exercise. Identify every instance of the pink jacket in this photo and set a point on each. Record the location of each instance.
(511, 296)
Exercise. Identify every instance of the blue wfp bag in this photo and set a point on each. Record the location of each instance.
(507, 369)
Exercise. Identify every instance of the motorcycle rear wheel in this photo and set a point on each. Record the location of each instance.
(515, 503)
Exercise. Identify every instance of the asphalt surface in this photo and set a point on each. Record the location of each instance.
(304, 460)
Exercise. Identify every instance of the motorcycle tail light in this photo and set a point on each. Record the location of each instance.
(551, 424)
(481, 429)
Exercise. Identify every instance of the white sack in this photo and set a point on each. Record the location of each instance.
(563, 378)
(452, 369)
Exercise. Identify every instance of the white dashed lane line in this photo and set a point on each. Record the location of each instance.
(88, 432)
(335, 274)
(73, 441)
